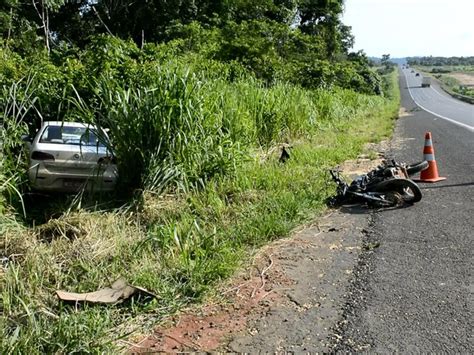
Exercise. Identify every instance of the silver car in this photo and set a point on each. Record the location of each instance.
(70, 156)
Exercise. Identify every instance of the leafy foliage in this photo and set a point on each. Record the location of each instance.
(183, 112)
(274, 39)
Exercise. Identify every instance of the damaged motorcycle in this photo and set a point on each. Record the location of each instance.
(388, 185)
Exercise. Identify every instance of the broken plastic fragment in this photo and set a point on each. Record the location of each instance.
(118, 292)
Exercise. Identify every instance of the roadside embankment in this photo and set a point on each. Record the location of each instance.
(182, 242)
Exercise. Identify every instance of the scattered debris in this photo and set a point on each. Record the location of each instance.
(403, 112)
(117, 293)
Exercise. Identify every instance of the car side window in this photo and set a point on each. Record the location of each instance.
(89, 138)
(52, 134)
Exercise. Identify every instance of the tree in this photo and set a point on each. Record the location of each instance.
(7, 12)
(385, 61)
(17, 29)
(74, 22)
(322, 18)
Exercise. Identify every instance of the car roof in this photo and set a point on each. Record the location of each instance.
(66, 124)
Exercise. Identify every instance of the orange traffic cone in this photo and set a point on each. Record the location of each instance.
(430, 174)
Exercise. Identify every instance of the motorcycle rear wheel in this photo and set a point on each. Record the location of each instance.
(408, 189)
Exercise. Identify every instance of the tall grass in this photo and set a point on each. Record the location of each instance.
(181, 129)
(16, 103)
(207, 142)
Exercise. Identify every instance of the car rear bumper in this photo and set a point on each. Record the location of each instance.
(42, 179)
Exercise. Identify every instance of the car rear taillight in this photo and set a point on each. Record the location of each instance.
(41, 156)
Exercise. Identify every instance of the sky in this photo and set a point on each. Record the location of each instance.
(404, 28)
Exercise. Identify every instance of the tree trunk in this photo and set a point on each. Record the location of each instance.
(10, 25)
(44, 17)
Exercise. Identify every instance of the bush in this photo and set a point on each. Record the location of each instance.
(440, 70)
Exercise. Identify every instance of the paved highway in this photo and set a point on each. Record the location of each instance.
(415, 292)
(435, 101)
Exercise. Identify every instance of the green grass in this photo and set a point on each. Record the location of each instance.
(453, 87)
(190, 232)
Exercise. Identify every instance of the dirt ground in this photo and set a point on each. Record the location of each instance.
(464, 78)
(289, 297)
(205, 328)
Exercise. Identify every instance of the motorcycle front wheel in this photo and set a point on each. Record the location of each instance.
(417, 167)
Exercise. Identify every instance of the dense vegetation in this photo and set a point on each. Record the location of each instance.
(99, 61)
(302, 41)
(440, 61)
(196, 98)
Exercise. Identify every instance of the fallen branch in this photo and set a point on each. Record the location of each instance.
(262, 277)
(236, 287)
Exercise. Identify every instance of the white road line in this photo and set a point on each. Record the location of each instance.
(447, 97)
(454, 104)
(444, 96)
(470, 128)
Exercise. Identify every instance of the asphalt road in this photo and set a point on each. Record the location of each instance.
(414, 292)
(435, 101)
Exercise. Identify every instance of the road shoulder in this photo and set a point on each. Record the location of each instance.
(290, 298)
(319, 262)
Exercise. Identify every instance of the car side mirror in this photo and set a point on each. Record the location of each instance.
(26, 138)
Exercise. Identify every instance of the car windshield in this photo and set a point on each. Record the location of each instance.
(71, 135)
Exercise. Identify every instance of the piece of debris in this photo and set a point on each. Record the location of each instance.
(371, 246)
(117, 293)
(285, 155)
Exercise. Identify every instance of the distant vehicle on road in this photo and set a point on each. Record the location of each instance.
(417, 74)
(426, 82)
(70, 156)
(412, 71)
